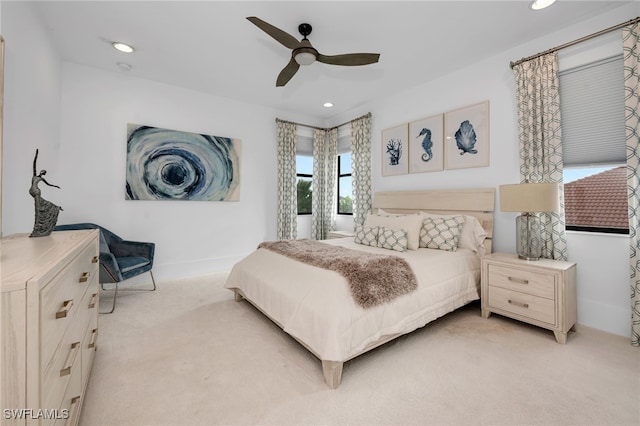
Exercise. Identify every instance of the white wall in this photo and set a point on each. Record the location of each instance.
(191, 237)
(31, 113)
(603, 283)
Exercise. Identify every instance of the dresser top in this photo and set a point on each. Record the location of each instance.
(24, 259)
(541, 263)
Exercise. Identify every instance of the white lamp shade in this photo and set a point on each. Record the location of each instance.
(530, 197)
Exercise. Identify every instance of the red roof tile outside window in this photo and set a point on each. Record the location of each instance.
(598, 203)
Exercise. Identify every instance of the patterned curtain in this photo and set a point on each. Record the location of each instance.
(631, 52)
(538, 107)
(361, 168)
(323, 202)
(287, 188)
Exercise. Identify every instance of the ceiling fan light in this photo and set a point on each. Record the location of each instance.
(305, 58)
(541, 4)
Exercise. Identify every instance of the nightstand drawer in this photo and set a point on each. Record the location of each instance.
(529, 306)
(536, 284)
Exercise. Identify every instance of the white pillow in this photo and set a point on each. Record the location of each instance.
(366, 236)
(392, 239)
(441, 233)
(411, 223)
(472, 235)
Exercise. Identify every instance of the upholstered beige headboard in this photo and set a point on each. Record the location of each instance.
(473, 202)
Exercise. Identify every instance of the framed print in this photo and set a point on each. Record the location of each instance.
(164, 164)
(426, 151)
(466, 142)
(394, 151)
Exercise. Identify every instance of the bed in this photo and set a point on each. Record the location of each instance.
(317, 306)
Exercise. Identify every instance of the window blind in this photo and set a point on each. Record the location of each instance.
(592, 113)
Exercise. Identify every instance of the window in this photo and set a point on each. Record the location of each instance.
(345, 198)
(593, 144)
(304, 173)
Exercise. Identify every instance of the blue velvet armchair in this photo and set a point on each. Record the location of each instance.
(119, 259)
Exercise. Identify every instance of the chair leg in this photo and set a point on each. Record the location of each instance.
(143, 289)
(115, 296)
(153, 280)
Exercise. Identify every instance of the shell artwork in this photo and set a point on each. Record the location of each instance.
(427, 144)
(466, 138)
(394, 149)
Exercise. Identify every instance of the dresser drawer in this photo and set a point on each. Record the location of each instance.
(537, 284)
(70, 409)
(61, 298)
(63, 369)
(526, 305)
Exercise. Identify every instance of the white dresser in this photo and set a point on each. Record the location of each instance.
(49, 325)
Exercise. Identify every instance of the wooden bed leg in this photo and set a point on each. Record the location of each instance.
(332, 371)
(237, 296)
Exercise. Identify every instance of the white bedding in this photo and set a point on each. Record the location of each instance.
(315, 305)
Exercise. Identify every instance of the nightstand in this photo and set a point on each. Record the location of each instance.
(541, 292)
(340, 234)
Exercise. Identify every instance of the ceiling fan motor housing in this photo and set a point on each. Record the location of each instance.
(305, 29)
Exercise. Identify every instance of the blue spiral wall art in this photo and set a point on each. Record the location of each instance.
(167, 164)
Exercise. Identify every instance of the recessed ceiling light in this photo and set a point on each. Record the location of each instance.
(123, 47)
(541, 4)
(124, 66)
(327, 104)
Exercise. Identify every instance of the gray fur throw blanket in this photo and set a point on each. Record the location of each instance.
(373, 278)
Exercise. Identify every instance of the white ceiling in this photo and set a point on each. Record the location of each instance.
(209, 46)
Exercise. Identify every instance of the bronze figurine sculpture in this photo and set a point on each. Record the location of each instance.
(46, 211)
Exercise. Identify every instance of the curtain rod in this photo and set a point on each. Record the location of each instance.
(323, 128)
(580, 40)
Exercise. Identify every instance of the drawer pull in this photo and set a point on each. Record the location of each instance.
(74, 411)
(66, 307)
(94, 337)
(518, 280)
(85, 277)
(92, 302)
(71, 359)
(522, 305)
(94, 259)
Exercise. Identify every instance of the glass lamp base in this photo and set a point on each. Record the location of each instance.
(528, 236)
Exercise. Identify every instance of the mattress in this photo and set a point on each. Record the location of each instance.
(315, 305)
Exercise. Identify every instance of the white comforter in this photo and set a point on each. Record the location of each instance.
(315, 305)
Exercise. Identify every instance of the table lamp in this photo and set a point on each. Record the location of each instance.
(528, 199)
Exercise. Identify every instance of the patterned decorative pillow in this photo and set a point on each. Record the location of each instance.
(441, 233)
(411, 223)
(366, 235)
(392, 239)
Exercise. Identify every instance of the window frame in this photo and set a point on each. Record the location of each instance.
(574, 161)
(341, 175)
(304, 175)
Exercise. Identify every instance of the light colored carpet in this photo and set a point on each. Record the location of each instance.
(188, 354)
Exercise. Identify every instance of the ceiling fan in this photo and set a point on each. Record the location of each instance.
(303, 53)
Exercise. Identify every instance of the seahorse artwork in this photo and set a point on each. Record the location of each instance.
(466, 138)
(46, 211)
(427, 144)
(394, 149)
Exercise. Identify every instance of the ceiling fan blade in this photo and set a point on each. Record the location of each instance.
(287, 72)
(280, 36)
(349, 59)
